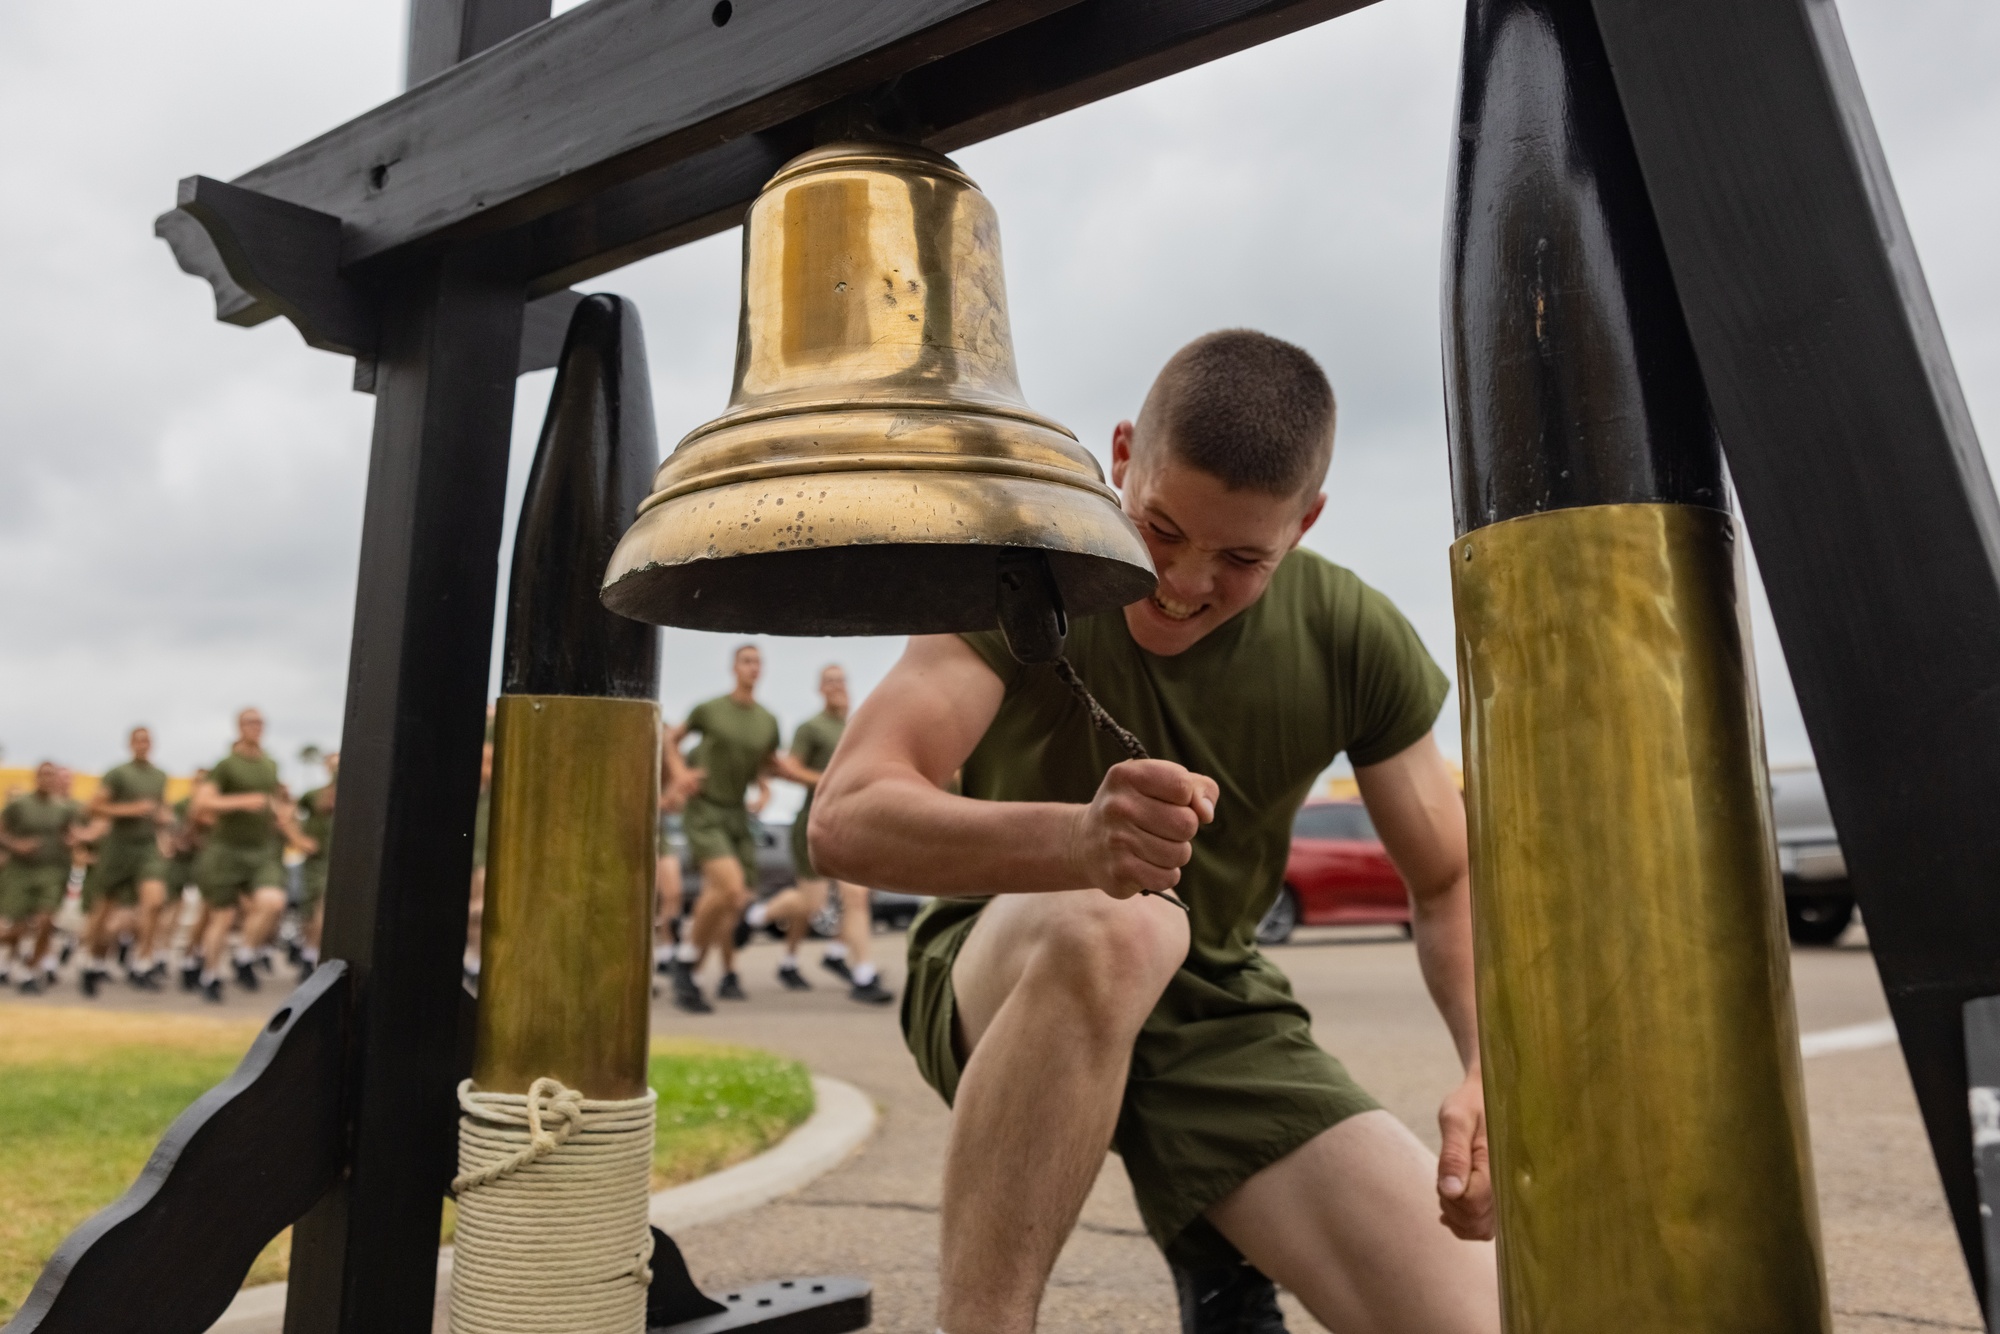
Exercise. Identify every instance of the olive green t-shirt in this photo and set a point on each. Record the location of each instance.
(232, 775)
(736, 740)
(812, 746)
(134, 780)
(1320, 664)
(45, 819)
(318, 822)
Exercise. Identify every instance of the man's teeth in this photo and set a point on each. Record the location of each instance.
(1178, 611)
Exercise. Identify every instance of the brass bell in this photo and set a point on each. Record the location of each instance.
(877, 471)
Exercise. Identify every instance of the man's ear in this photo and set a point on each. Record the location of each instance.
(1311, 516)
(1121, 452)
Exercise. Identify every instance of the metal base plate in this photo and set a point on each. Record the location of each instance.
(787, 1306)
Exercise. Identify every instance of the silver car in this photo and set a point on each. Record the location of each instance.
(1819, 903)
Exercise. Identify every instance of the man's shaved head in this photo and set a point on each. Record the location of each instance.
(1253, 411)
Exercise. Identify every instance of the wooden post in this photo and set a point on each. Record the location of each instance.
(365, 1258)
(1862, 483)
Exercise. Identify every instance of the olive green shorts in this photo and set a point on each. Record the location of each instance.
(179, 874)
(720, 831)
(226, 873)
(26, 891)
(120, 869)
(312, 884)
(1225, 1080)
(802, 858)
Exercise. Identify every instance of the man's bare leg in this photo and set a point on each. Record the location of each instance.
(152, 898)
(214, 945)
(716, 910)
(794, 908)
(1349, 1222)
(1051, 990)
(667, 907)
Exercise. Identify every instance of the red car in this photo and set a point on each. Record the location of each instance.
(1337, 875)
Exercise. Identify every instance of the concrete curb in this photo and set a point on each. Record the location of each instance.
(843, 1118)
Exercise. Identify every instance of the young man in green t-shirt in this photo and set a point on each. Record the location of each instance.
(1070, 1010)
(129, 877)
(847, 958)
(738, 750)
(38, 830)
(241, 869)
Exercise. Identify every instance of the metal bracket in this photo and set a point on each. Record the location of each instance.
(674, 1305)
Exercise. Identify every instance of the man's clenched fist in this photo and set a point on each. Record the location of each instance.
(1139, 830)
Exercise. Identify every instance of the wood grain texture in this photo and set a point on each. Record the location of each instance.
(1862, 483)
(365, 1258)
(603, 93)
(1088, 51)
(246, 1159)
(287, 259)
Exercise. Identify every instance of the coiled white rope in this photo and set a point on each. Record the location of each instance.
(552, 1192)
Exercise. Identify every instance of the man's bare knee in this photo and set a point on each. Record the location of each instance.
(1111, 958)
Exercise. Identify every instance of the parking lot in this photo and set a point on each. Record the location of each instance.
(1892, 1257)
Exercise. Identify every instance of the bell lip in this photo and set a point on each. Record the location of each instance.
(865, 153)
(935, 511)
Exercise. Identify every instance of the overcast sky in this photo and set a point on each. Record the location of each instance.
(180, 500)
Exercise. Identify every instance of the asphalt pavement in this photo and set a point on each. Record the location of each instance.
(1892, 1259)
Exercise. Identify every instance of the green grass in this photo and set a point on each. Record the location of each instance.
(86, 1094)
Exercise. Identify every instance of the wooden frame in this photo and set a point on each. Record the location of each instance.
(413, 237)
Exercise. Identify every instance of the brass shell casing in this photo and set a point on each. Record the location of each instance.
(1645, 1108)
(565, 983)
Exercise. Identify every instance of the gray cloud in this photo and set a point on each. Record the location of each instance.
(179, 519)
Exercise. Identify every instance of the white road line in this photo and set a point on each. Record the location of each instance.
(1855, 1037)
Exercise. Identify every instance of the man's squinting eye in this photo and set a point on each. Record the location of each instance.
(1163, 534)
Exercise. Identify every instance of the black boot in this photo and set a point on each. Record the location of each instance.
(1235, 1300)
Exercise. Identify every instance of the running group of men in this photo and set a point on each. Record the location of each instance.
(712, 793)
(227, 838)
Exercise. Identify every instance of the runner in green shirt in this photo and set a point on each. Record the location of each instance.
(847, 958)
(129, 878)
(316, 834)
(1062, 1006)
(38, 830)
(241, 870)
(738, 749)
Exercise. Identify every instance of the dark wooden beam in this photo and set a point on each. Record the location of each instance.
(1862, 482)
(1075, 56)
(603, 93)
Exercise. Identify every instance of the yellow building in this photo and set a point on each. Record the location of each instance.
(15, 780)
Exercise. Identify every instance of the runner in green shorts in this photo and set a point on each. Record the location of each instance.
(241, 871)
(846, 958)
(316, 829)
(738, 749)
(36, 830)
(128, 879)
(1063, 1006)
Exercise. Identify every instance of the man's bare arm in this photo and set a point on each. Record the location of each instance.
(210, 801)
(881, 816)
(1420, 815)
(1417, 809)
